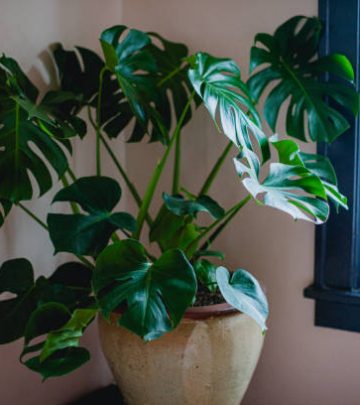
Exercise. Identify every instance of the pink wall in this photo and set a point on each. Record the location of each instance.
(301, 364)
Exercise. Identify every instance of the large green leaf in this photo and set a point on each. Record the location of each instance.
(156, 294)
(79, 80)
(60, 363)
(218, 83)
(290, 154)
(242, 291)
(135, 67)
(173, 84)
(292, 189)
(300, 78)
(62, 289)
(69, 334)
(88, 234)
(23, 124)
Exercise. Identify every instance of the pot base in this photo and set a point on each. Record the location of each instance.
(203, 361)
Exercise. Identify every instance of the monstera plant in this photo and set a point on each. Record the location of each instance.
(152, 87)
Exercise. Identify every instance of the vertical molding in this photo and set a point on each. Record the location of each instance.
(337, 249)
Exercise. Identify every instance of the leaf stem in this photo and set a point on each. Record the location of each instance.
(74, 207)
(121, 170)
(98, 122)
(220, 228)
(157, 172)
(218, 224)
(177, 165)
(17, 135)
(215, 170)
(33, 216)
(170, 75)
(71, 174)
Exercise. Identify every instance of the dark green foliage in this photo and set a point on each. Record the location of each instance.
(88, 234)
(156, 294)
(24, 122)
(146, 84)
(290, 61)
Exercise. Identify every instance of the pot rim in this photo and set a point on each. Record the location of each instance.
(208, 311)
(203, 312)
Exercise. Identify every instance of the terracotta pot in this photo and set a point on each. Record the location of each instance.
(208, 359)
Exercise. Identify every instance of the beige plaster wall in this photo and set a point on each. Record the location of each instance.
(300, 364)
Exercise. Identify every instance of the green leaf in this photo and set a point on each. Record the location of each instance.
(47, 317)
(60, 363)
(21, 126)
(17, 277)
(291, 189)
(73, 275)
(132, 65)
(242, 291)
(179, 206)
(156, 294)
(59, 352)
(173, 84)
(172, 231)
(88, 234)
(68, 335)
(218, 83)
(206, 274)
(320, 166)
(300, 78)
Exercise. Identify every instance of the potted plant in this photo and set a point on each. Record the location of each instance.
(203, 324)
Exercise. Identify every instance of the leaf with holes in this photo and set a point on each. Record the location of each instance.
(22, 137)
(290, 61)
(88, 234)
(290, 154)
(218, 83)
(291, 189)
(156, 294)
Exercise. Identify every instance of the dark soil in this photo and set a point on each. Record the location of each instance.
(205, 297)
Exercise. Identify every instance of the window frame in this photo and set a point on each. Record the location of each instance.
(336, 287)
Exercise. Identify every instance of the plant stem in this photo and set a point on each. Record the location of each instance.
(43, 225)
(121, 170)
(215, 170)
(33, 216)
(157, 173)
(170, 75)
(74, 207)
(220, 223)
(220, 228)
(71, 174)
(98, 123)
(177, 165)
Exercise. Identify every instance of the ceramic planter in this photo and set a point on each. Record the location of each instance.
(208, 359)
